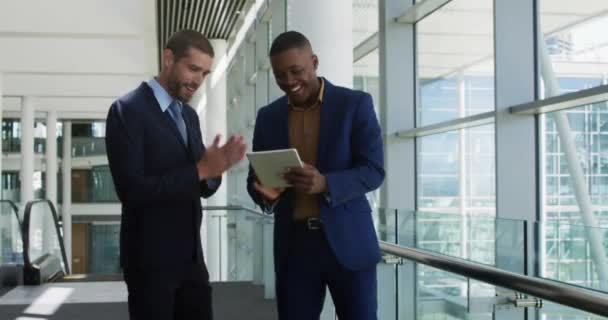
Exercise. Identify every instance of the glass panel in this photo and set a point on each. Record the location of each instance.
(575, 39)
(88, 146)
(575, 195)
(456, 172)
(11, 241)
(366, 77)
(552, 311)
(104, 248)
(365, 14)
(43, 237)
(455, 57)
(91, 178)
(11, 186)
(11, 136)
(572, 253)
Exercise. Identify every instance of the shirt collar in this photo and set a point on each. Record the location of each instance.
(162, 96)
(319, 99)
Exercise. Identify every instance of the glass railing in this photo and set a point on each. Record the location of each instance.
(574, 254)
(11, 237)
(88, 146)
(457, 267)
(45, 255)
(248, 252)
(409, 289)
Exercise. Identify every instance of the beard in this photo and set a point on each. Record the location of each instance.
(178, 89)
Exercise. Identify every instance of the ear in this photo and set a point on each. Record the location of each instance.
(315, 61)
(168, 58)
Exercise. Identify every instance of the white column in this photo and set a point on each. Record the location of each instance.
(516, 149)
(215, 123)
(66, 177)
(331, 40)
(27, 150)
(278, 25)
(397, 98)
(51, 157)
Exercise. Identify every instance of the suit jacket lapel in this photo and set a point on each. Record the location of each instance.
(165, 117)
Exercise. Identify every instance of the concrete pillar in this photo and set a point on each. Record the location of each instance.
(27, 150)
(51, 157)
(331, 40)
(215, 122)
(66, 206)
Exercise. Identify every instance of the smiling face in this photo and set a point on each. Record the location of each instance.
(182, 77)
(295, 71)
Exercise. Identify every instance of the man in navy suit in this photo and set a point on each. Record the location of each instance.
(324, 235)
(161, 169)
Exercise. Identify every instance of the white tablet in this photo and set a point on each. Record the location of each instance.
(269, 166)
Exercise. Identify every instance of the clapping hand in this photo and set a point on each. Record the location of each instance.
(216, 160)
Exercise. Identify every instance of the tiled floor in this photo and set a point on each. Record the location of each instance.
(107, 300)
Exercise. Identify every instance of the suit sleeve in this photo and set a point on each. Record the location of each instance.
(257, 146)
(367, 173)
(125, 147)
(208, 186)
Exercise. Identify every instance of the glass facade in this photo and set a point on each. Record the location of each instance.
(574, 168)
(455, 61)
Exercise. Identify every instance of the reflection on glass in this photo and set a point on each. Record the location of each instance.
(104, 246)
(576, 41)
(573, 248)
(568, 253)
(456, 172)
(455, 61)
(11, 242)
(553, 311)
(444, 295)
(365, 19)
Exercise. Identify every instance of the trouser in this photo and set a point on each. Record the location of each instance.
(181, 294)
(311, 268)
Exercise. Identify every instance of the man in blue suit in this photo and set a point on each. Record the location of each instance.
(324, 235)
(161, 169)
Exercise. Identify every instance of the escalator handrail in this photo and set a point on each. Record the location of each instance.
(26, 235)
(576, 297)
(15, 210)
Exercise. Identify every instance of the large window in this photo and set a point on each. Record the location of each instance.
(455, 61)
(575, 43)
(574, 143)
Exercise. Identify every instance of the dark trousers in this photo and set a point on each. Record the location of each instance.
(179, 295)
(311, 268)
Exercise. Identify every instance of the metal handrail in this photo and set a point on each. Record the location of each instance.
(237, 207)
(579, 298)
(26, 226)
(587, 300)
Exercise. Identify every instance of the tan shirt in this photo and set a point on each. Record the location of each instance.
(304, 136)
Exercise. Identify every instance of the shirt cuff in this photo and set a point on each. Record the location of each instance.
(213, 183)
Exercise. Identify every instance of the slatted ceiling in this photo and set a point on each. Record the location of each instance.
(214, 18)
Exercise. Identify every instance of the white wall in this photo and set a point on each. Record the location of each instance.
(74, 50)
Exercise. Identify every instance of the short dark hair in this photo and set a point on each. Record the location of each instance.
(181, 41)
(288, 40)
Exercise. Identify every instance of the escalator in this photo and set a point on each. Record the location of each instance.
(11, 247)
(44, 254)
